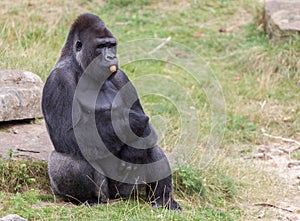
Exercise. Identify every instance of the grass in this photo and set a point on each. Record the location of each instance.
(19, 176)
(258, 78)
(296, 155)
(30, 206)
(25, 190)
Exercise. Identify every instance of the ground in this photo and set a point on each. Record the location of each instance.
(29, 139)
(275, 159)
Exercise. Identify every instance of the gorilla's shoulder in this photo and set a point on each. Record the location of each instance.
(64, 73)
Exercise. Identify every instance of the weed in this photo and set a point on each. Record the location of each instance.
(19, 176)
(296, 155)
(211, 185)
(188, 181)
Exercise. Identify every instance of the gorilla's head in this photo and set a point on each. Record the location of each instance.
(90, 38)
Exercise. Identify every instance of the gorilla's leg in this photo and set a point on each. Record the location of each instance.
(76, 180)
(159, 193)
(123, 190)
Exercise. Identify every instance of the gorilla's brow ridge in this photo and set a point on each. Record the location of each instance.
(105, 40)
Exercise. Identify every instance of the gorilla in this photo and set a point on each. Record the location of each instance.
(82, 166)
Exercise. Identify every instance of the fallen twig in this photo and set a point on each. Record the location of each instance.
(293, 164)
(122, 23)
(161, 45)
(285, 140)
(29, 151)
(273, 206)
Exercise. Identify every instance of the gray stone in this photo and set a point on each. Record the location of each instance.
(12, 217)
(25, 140)
(20, 95)
(282, 18)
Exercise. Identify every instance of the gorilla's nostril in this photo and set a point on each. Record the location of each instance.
(109, 57)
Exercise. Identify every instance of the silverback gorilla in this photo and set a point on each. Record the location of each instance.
(72, 173)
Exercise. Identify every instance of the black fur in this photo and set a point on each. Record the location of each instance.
(71, 176)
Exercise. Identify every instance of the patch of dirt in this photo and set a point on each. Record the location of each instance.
(276, 158)
(25, 139)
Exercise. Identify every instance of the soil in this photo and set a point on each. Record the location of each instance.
(25, 139)
(276, 159)
(29, 139)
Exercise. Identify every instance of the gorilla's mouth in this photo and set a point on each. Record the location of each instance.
(113, 68)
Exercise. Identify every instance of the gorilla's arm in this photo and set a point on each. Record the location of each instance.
(57, 109)
(139, 121)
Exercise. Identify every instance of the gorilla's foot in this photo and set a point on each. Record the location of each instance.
(171, 204)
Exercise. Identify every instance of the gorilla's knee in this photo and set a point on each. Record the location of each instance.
(76, 180)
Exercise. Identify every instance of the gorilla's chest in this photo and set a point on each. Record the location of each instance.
(105, 98)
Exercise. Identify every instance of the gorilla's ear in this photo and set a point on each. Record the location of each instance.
(78, 45)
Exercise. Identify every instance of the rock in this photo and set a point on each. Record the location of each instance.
(282, 18)
(20, 95)
(31, 140)
(12, 217)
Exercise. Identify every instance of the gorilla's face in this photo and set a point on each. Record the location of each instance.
(95, 41)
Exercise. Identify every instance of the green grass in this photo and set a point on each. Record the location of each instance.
(25, 190)
(258, 78)
(19, 175)
(296, 155)
(31, 206)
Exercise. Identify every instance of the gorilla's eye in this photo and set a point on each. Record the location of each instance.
(112, 45)
(78, 46)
